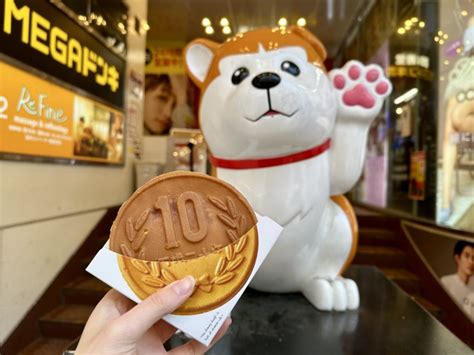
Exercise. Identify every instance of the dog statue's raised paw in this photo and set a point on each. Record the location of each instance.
(291, 137)
(360, 90)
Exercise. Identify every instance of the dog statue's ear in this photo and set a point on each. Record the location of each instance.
(308, 36)
(198, 57)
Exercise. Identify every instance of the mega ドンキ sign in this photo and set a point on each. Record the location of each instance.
(38, 34)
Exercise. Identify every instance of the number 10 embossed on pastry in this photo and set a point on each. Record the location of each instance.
(181, 224)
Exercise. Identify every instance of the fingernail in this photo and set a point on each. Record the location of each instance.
(184, 286)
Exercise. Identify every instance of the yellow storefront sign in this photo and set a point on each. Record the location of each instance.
(38, 118)
(55, 42)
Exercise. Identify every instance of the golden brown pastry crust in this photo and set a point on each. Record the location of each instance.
(181, 224)
(219, 275)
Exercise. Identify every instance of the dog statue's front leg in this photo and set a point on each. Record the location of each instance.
(360, 92)
(321, 282)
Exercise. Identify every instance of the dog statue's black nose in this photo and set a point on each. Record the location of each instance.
(266, 80)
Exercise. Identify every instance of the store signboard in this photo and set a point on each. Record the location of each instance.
(164, 60)
(41, 119)
(40, 35)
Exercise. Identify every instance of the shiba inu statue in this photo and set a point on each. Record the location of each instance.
(289, 136)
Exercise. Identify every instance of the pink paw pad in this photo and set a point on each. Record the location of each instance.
(381, 88)
(354, 72)
(358, 85)
(359, 95)
(339, 81)
(372, 75)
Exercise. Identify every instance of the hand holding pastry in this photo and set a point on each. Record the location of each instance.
(118, 326)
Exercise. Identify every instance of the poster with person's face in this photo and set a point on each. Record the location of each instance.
(459, 281)
(450, 259)
(455, 200)
(170, 97)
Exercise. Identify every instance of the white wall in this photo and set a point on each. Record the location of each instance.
(47, 210)
(32, 254)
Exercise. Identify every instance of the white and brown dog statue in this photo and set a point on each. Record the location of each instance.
(289, 136)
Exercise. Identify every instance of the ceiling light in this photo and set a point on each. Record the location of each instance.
(414, 19)
(464, 12)
(209, 30)
(399, 110)
(120, 47)
(226, 30)
(446, 62)
(206, 22)
(441, 41)
(440, 33)
(224, 22)
(401, 31)
(330, 9)
(282, 22)
(445, 36)
(407, 96)
(408, 23)
(421, 24)
(301, 22)
(436, 39)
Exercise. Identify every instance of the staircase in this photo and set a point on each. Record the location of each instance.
(62, 325)
(381, 245)
(60, 314)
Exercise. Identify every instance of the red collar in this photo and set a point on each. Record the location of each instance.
(268, 162)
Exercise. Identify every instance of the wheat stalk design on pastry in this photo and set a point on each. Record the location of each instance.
(136, 236)
(157, 276)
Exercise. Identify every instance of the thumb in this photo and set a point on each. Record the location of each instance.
(133, 324)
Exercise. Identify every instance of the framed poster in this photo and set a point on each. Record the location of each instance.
(455, 193)
(171, 99)
(41, 119)
(449, 257)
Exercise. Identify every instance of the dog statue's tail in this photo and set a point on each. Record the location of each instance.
(346, 206)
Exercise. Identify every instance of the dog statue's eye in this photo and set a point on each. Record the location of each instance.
(290, 67)
(239, 75)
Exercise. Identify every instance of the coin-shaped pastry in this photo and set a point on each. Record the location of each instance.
(185, 223)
